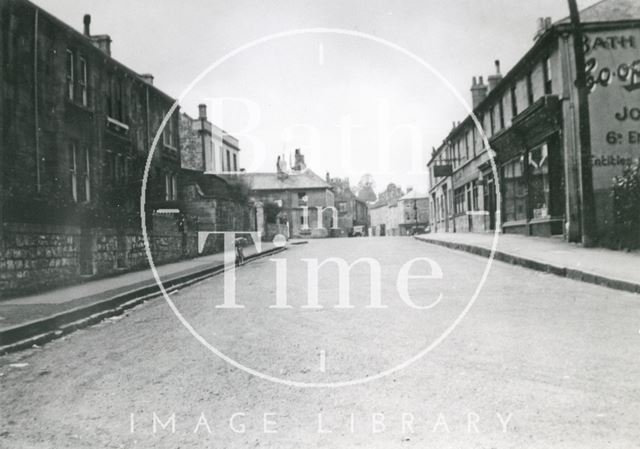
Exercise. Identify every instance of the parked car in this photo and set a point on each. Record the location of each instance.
(417, 230)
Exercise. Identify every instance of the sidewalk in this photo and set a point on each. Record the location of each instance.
(615, 269)
(40, 317)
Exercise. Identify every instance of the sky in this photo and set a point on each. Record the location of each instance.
(352, 104)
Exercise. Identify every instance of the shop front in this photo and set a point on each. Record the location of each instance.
(530, 159)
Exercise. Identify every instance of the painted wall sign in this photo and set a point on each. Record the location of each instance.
(613, 74)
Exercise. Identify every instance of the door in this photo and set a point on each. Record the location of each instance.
(490, 202)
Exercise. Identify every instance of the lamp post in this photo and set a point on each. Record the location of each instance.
(587, 215)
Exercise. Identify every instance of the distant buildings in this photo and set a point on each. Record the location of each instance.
(530, 118)
(400, 216)
(304, 200)
(352, 211)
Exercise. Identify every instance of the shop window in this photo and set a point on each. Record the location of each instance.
(459, 201)
(539, 181)
(515, 190)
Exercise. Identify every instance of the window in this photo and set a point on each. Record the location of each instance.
(539, 181)
(492, 120)
(169, 132)
(515, 190)
(473, 140)
(529, 89)
(501, 112)
(83, 82)
(458, 201)
(87, 174)
(235, 162)
(70, 74)
(514, 101)
(73, 170)
(475, 196)
(228, 160)
(170, 186)
(466, 145)
(342, 207)
(302, 198)
(546, 71)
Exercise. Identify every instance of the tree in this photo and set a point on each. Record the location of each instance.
(391, 193)
(365, 190)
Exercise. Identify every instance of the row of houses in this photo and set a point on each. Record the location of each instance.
(400, 216)
(526, 178)
(76, 127)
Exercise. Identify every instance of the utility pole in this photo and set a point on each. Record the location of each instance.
(587, 213)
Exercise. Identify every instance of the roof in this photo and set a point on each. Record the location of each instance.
(609, 11)
(306, 179)
(414, 195)
(605, 11)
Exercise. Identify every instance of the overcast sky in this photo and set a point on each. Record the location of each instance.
(344, 90)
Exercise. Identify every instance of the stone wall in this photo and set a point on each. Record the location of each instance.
(39, 257)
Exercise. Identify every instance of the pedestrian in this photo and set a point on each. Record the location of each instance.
(239, 244)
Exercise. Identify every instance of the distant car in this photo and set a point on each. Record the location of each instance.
(358, 231)
(417, 230)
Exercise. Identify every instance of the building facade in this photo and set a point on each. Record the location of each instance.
(521, 173)
(305, 200)
(76, 127)
(351, 210)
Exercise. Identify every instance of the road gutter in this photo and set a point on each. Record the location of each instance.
(43, 330)
(570, 273)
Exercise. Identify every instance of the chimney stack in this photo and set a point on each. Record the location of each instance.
(495, 79)
(478, 92)
(87, 25)
(543, 24)
(147, 78)
(103, 42)
(299, 164)
(202, 111)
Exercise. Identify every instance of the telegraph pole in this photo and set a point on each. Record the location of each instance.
(587, 213)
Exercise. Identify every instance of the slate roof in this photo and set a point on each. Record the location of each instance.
(609, 11)
(306, 179)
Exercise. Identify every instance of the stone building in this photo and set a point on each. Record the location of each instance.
(352, 211)
(304, 199)
(529, 116)
(413, 210)
(213, 203)
(75, 131)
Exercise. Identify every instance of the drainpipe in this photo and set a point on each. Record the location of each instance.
(36, 120)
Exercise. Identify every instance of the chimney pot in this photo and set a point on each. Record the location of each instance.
(147, 77)
(497, 66)
(481, 82)
(202, 111)
(547, 22)
(475, 81)
(87, 24)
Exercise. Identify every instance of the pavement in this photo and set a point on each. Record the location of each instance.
(38, 318)
(539, 361)
(619, 270)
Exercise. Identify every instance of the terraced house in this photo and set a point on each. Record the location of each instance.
(530, 118)
(75, 131)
